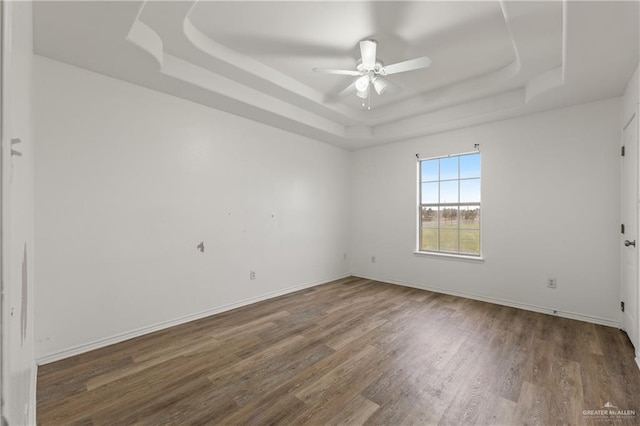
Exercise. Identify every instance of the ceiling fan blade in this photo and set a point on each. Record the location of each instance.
(368, 51)
(338, 72)
(348, 90)
(410, 65)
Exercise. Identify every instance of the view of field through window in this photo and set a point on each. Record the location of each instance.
(450, 204)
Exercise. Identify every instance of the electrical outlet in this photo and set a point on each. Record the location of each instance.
(373, 259)
(252, 275)
(552, 283)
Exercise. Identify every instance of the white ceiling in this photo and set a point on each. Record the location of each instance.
(490, 59)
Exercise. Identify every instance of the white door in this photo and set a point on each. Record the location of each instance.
(630, 249)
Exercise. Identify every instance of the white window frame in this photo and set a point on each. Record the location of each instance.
(420, 204)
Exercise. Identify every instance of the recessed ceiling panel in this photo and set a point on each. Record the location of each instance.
(463, 39)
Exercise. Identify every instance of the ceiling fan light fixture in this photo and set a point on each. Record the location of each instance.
(364, 94)
(380, 85)
(362, 83)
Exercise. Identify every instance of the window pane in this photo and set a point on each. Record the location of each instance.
(429, 170)
(449, 168)
(429, 240)
(470, 191)
(429, 216)
(470, 166)
(429, 193)
(448, 217)
(449, 192)
(470, 241)
(449, 240)
(470, 217)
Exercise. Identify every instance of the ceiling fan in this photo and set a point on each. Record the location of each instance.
(370, 71)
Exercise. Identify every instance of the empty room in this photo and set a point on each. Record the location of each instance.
(320, 212)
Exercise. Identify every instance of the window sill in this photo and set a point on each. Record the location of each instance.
(446, 256)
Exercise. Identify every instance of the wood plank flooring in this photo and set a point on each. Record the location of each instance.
(352, 352)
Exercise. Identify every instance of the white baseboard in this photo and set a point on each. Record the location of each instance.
(100, 343)
(638, 361)
(527, 307)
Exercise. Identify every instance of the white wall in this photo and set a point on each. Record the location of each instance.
(17, 216)
(129, 181)
(550, 207)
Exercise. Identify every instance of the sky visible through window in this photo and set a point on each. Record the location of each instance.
(447, 168)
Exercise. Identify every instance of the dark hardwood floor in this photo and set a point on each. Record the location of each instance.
(353, 352)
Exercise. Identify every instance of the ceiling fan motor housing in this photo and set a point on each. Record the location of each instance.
(378, 68)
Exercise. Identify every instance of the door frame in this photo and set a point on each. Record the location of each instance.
(3, 261)
(636, 117)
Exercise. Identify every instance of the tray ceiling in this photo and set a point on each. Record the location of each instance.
(490, 59)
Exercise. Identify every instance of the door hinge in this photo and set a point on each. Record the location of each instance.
(622, 306)
(622, 228)
(622, 151)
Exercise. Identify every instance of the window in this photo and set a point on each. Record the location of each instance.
(449, 204)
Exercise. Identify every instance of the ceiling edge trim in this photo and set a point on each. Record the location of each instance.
(142, 36)
(486, 108)
(185, 71)
(555, 77)
(311, 97)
